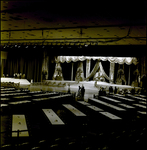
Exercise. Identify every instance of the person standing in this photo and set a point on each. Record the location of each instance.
(82, 91)
(79, 92)
(69, 88)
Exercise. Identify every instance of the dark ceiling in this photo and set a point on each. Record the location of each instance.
(104, 22)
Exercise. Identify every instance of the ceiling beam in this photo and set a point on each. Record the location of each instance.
(77, 27)
(75, 38)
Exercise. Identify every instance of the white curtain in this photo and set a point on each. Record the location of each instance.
(96, 67)
(58, 72)
(80, 72)
(119, 60)
(93, 72)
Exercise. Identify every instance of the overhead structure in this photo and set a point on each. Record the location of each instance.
(119, 60)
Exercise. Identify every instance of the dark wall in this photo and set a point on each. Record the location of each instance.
(25, 61)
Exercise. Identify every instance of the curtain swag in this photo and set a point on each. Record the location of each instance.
(119, 60)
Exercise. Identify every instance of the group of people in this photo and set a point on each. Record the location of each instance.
(81, 92)
(19, 76)
(116, 90)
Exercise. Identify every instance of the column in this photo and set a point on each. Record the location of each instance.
(79, 73)
(45, 66)
(111, 72)
(88, 62)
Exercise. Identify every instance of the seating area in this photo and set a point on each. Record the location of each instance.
(36, 120)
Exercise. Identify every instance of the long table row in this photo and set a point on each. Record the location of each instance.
(113, 107)
(120, 104)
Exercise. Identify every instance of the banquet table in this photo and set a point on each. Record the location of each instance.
(107, 104)
(142, 96)
(83, 103)
(43, 94)
(13, 94)
(24, 96)
(19, 123)
(53, 117)
(110, 99)
(74, 110)
(109, 115)
(124, 98)
(20, 102)
(35, 92)
(143, 102)
(3, 92)
(95, 108)
(7, 89)
(139, 98)
(4, 105)
(142, 112)
(40, 99)
(127, 106)
(5, 99)
(139, 105)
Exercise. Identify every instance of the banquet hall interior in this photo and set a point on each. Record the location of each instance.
(73, 76)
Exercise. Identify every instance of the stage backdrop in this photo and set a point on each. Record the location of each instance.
(87, 67)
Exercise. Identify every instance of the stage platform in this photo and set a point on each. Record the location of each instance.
(90, 88)
(24, 83)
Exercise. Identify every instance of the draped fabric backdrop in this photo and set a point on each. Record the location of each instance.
(80, 72)
(27, 62)
(45, 66)
(107, 66)
(58, 75)
(120, 60)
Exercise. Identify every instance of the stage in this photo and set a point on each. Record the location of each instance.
(62, 86)
(24, 83)
(90, 88)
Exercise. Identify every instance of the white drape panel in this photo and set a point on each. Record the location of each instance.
(58, 72)
(88, 63)
(103, 72)
(119, 60)
(94, 70)
(80, 72)
(111, 71)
